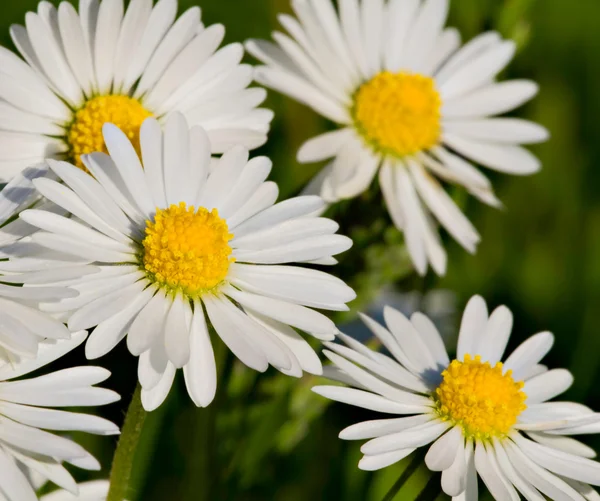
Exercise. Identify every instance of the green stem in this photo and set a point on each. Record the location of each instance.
(128, 442)
(432, 489)
(406, 474)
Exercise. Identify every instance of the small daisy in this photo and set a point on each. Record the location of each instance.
(482, 417)
(27, 409)
(410, 102)
(179, 248)
(107, 64)
(88, 491)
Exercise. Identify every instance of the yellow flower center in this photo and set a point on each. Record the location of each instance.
(187, 249)
(84, 135)
(398, 113)
(480, 398)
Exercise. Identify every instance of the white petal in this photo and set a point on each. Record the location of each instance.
(491, 343)
(105, 307)
(48, 352)
(561, 463)
(52, 60)
(149, 324)
(548, 385)
(427, 28)
(201, 371)
(413, 437)
(478, 71)
(382, 427)
(230, 330)
(372, 15)
(367, 400)
(176, 161)
(264, 197)
(324, 146)
(302, 91)
(494, 99)
(153, 398)
(219, 183)
(177, 332)
(432, 337)
(401, 16)
(291, 314)
(179, 35)
(491, 476)
(304, 357)
(151, 142)
(350, 20)
(409, 340)
(503, 158)
(132, 29)
(498, 130)
(515, 477)
(50, 419)
(444, 450)
(14, 483)
(548, 483)
(373, 383)
(473, 322)
(528, 354)
(112, 331)
(162, 17)
(565, 444)
(444, 208)
(107, 31)
(130, 168)
(454, 479)
(379, 461)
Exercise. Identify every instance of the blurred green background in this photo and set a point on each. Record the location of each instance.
(268, 437)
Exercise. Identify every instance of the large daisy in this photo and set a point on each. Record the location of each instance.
(181, 248)
(481, 416)
(27, 408)
(104, 64)
(409, 102)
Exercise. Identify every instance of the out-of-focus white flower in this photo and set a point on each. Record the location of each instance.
(410, 103)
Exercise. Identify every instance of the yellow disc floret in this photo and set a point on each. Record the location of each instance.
(187, 249)
(84, 135)
(482, 399)
(398, 113)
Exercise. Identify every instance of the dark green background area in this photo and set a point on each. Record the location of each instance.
(269, 438)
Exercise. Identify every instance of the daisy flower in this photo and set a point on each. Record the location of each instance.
(27, 409)
(96, 490)
(481, 416)
(181, 248)
(409, 103)
(102, 64)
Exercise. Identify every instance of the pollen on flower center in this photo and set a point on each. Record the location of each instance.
(480, 398)
(187, 249)
(84, 135)
(398, 113)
